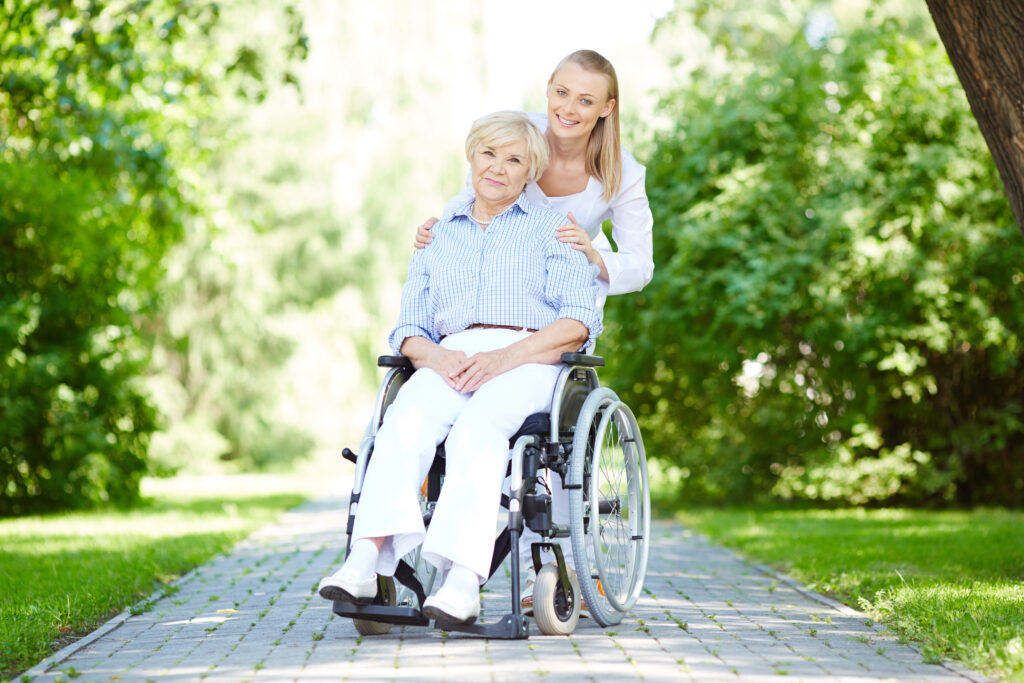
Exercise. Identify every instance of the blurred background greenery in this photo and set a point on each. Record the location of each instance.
(206, 210)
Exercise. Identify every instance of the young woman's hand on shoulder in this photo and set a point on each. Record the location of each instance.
(577, 238)
(423, 234)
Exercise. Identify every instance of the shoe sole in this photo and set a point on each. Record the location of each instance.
(438, 614)
(339, 594)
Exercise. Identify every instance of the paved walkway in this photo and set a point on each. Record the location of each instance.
(706, 616)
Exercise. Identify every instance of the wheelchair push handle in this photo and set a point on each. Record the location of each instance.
(578, 359)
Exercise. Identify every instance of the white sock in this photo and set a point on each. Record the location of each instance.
(462, 579)
(362, 559)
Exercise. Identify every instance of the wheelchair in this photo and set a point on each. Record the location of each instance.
(591, 439)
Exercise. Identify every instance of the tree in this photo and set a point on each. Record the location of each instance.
(985, 42)
(104, 133)
(836, 309)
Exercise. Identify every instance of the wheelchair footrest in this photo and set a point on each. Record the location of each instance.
(408, 616)
(510, 627)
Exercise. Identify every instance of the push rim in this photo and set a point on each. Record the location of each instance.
(619, 522)
(579, 485)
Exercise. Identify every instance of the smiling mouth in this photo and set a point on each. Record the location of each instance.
(494, 182)
(566, 122)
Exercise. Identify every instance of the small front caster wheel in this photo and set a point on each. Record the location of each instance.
(555, 611)
(385, 596)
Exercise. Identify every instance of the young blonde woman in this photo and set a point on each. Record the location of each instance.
(590, 178)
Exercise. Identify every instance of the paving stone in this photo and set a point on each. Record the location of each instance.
(706, 615)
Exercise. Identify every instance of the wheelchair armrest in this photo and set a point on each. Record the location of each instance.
(583, 360)
(393, 362)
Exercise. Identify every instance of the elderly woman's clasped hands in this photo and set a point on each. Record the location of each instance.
(465, 373)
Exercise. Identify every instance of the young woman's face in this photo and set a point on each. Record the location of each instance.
(499, 173)
(577, 98)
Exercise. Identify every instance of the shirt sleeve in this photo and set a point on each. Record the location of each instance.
(632, 266)
(571, 286)
(414, 318)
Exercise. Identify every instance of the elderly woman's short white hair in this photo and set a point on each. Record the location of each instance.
(505, 127)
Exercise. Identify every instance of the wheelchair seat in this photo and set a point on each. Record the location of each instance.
(538, 423)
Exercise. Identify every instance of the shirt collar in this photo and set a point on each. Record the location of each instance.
(521, 202)
(462, 209)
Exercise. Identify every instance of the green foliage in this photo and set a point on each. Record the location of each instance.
(104, 135)
(836, 309)
(91, 202)
(240, 293)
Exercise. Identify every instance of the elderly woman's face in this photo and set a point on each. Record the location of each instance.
(499, 173)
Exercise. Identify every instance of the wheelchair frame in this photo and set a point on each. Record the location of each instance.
(546, 440)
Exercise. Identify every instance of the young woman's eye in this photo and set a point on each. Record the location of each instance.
(586, 101)
(561, 93)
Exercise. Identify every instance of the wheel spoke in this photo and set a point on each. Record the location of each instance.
(613, 538)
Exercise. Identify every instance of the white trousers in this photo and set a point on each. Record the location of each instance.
(478, 427)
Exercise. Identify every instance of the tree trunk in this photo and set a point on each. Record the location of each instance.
(985, 42)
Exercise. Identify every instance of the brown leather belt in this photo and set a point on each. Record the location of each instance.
(485, 326)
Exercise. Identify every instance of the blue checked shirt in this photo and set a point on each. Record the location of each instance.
(515, 272)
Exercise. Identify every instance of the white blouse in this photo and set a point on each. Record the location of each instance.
(632, 266)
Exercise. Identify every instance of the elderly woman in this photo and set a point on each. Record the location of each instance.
(487, 310)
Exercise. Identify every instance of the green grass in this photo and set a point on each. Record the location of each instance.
(61, 576)
(951, 581)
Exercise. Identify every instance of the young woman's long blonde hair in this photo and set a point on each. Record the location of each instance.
(604, 149)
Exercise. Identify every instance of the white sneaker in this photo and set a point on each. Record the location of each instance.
(451, 604)
(347, 586)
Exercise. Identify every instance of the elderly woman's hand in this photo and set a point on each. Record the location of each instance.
(481, 367)
(445, 362)
(423, 234)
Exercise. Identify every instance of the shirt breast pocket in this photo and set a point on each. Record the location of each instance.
(452, 279)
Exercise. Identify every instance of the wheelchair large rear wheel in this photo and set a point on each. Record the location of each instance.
(609, 506)
(425, 572)
(385, 596)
